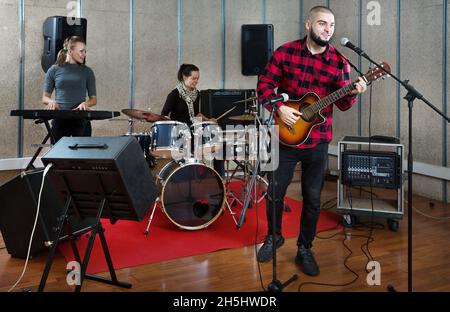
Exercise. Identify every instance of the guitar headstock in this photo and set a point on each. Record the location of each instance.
(376, 73)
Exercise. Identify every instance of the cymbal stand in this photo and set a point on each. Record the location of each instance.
(130, 125)
(230, 195)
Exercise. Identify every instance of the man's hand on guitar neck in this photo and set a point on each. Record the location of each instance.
(360, 86)
(288, 115)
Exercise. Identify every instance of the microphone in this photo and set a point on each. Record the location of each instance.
(346, 43)
(283, 97)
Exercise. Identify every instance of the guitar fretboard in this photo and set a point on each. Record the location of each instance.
(328, 100)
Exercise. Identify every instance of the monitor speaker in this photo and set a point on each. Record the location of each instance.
(90, 169)
(55, 30)
(19, 198)
(215, 102)
(257, 48)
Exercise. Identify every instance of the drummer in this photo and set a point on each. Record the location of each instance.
(183, 103)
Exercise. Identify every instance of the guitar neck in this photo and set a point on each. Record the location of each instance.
(331, 98)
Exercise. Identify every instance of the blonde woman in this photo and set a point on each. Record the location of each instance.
(72, 81)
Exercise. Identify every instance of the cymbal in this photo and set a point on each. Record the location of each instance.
(253, 98)
(143, 115)
(245, 117)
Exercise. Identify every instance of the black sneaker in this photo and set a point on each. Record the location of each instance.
(265, 252)
(305, 258)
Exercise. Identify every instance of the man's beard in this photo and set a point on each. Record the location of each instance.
(317, 39)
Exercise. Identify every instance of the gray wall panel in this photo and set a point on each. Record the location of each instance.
(9, 32)
(346, 17)
(202, 26)
(378, 43)
(422, 20)
(284, 15)
(238, 13)
(155, 54)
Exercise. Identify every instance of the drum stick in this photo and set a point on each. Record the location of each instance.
(228, 111)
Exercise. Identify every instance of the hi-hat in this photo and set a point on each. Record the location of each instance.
(245, 117)
(253, 98)
(143, 115)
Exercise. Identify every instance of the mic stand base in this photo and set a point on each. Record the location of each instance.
(276, 286)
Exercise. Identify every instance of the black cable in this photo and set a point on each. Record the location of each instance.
(332, 203)
(256, 248)
(356, 275)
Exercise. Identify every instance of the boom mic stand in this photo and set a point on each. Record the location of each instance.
(275, 285)
(410, 97)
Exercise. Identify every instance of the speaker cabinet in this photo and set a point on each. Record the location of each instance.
(55, 30)
(257, 47)
(19, 199)
(215, 102)
(90, 169)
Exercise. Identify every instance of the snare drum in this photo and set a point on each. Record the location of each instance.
(170, 139)
(192, 194)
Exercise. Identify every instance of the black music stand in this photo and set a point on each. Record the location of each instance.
(98, 187)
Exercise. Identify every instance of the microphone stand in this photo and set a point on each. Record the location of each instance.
(410, 97)
(275, 285)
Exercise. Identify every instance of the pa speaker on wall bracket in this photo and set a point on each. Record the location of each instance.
(55, 30)
(257, 47)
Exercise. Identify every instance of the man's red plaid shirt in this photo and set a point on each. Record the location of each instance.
(295, 71)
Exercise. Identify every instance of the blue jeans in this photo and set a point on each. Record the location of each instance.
(313, 163)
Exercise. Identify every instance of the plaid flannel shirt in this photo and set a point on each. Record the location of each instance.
(295, 71)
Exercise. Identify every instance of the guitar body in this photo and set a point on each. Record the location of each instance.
(311, 106)
(299, 132)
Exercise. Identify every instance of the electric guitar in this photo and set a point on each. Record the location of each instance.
(310, 106)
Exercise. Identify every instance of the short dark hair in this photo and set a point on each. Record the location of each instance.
(319, 8)
(186, 70)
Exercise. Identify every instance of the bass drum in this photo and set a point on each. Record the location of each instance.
(192, 195)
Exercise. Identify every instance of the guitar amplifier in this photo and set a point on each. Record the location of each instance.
(376, 169)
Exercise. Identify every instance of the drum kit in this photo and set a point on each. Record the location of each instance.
(191, 193)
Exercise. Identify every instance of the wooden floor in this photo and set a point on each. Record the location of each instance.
(237, 269)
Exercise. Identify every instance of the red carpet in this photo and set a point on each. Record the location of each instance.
(130, 247)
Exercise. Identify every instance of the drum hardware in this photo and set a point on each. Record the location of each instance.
(251, 173)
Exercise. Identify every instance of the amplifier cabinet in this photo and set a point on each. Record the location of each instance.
(370, 177)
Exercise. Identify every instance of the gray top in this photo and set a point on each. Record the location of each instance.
(70, 82)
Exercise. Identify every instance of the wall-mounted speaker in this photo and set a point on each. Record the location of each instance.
(257, 47)
(55, 30)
